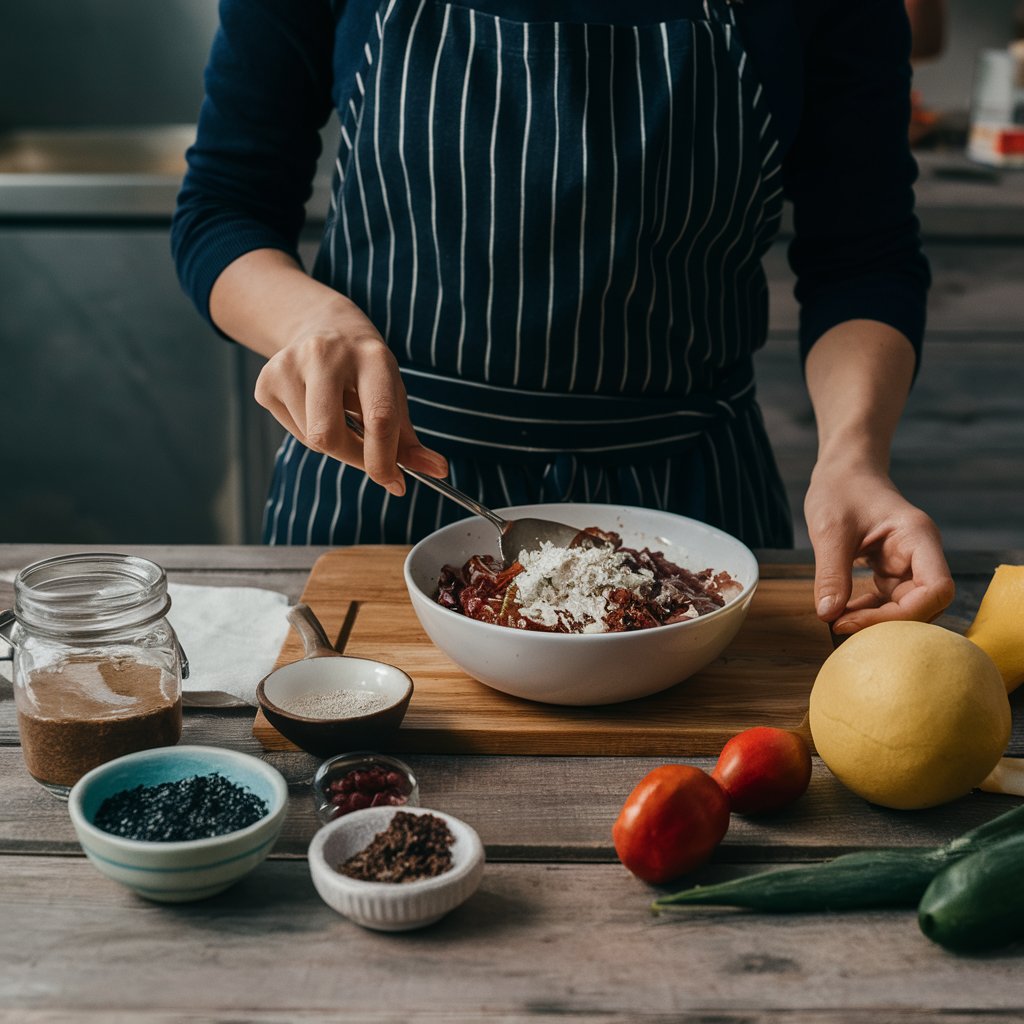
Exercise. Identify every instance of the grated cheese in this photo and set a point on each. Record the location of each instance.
(560, 584)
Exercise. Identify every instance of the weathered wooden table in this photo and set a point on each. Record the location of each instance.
(557, 930)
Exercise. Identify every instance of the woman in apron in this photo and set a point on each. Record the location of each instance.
(544, 251)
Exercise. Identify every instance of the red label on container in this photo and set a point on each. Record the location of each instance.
(1010, 143)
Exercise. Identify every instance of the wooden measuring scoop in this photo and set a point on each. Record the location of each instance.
(327, 702)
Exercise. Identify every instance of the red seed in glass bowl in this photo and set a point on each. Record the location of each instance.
(351, 782)
(374, 787)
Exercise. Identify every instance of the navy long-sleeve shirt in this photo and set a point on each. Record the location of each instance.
(836, 76)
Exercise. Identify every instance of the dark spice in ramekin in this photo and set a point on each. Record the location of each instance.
(412, 847)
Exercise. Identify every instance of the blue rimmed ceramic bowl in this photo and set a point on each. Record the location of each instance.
(177, 872)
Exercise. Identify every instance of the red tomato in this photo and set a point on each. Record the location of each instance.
(763, 769)
(671, 823)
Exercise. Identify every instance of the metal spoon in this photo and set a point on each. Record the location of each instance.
(514, 535)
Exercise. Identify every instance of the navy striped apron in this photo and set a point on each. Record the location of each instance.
(558, 229)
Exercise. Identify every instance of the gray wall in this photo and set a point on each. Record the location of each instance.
(119, 408)
(103, 62)
(122, 62)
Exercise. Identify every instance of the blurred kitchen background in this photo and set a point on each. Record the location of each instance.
(124, 419)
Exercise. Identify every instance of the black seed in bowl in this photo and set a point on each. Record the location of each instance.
(197, 807)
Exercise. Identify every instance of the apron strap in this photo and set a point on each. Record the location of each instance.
(474, 420)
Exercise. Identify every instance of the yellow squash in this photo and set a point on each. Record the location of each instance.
(998, 628)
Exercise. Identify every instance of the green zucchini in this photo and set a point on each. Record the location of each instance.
(873, 879)
(977, 903)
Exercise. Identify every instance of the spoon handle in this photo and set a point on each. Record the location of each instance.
(441, 486)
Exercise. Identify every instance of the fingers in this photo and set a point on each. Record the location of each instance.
(385, 419)
(865, 601)
(853, 622)
(308, 385)
(321, 415)
(921, 593)
(380, 444)
(932, 570)
(411, 454)
(388, 434)
(280, 404)
(417, 457)
(834, 548)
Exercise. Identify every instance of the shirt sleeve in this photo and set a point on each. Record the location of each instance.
(857, 248)
(250, 171)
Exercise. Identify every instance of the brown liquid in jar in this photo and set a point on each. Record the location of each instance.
(85, 712)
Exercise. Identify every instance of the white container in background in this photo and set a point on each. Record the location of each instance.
(996, 135)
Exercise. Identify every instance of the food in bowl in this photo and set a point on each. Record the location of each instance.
(411, 848)
(196, 807)
(370, 787)
(323, 704)
(387, 906)
(583, 668)
(583, 588)
(360, 779)
(177, 870)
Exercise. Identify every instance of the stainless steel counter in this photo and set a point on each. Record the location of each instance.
(108, 173)
(135, 173)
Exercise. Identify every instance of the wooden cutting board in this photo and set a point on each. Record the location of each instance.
(764, 678)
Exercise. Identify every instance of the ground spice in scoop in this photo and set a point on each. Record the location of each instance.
(412, 847)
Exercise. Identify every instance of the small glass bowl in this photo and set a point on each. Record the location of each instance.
(329, 803)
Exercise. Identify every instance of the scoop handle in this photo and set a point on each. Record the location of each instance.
(315, 643)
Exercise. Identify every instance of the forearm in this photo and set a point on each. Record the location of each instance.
(858, 377)
(324, 358)
(266, 301)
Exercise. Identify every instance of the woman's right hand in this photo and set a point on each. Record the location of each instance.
(340, 366)
(325, 358)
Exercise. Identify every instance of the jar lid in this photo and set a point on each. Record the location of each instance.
(86, 595)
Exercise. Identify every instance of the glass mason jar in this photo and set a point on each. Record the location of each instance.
(97, 667)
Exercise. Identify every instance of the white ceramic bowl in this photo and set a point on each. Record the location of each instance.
(392, 906)
(177, 872)
(584, 668)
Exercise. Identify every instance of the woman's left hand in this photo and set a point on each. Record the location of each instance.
(858, 515)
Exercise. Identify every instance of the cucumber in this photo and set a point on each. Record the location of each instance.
(977, 903)
(855, 881)
(881, 878)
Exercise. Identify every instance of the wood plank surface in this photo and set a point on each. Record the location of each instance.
(530, 808)
(557, 931)
(555, 809)
(535, 939)
(495, 1014)
(764, 677)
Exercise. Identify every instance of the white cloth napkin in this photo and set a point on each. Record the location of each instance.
(6, 576)
(231, 635)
